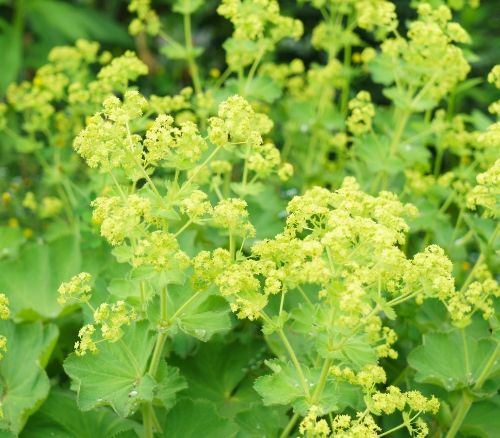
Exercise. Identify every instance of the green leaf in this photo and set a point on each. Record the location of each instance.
(336, 396)
(59, 417)
(451, 360)
(202, 317)
(23, 382)
(186, 7)
(249, 189)
(195, 419)
(260, 421)
(414, 153)
(123, 253)
(11, 50)
(281, 387)
(10, 241)
(123, 288)
(382, 69)
(73, 22)
(358, 352)
(179, 52)
(170, 382)
(259, 88)
(32, 280)
(483, 420)
(116, 375)
(374, 152)
(219, 373)
(207, 319)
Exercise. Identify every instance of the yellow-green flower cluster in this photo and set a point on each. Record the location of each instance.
(3, 348)
(346, 427)
(362, 112)
(77, 289)
(196, 205)
(477, 297)
(377, 15)
(312, 426)
(494, 76)
(4, 314)
(237, 282)
(264, 159)
(367, 378)
(146, 21)
(182, 147)
(207, 266)
(410, 404)
(287, 262)
(258, 26)
(86, 342)
(120, 218)
(107, 141)
(347, 243)
(112, 318)
(160, 249)
(440, 283)
(238, 123)
(431, 59)
(231, 214)
(171, 104)
(4, 307)
(486, 193)
(120, 71)
(395, 400)
(67, 85)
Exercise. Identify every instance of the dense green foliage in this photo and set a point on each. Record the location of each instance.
(249, 219)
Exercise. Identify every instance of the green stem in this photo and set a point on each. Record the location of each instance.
(232, 245)
(398, 132)
(197, 170)
(147, 420)
(291, 352)
(193, 67)
(466, 401)
(186, 225)
(139, 164)
(289, 427)
(394, 429)
(183, 307)
(253, 69)
(480, 259)
(461, 412)
(162, 336)
(487, 369)
(466, 352)
(447, 202)
(439, 159)
(148, 415)
(347, 84)
(322, 381)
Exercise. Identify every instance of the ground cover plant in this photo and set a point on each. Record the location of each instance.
(250, 219)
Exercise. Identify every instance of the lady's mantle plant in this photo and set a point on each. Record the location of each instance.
(324, 288)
